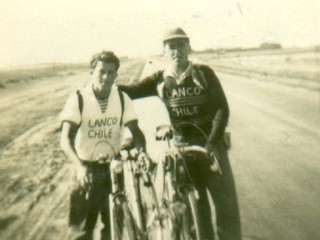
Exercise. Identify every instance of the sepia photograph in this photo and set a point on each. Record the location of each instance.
(159, 120)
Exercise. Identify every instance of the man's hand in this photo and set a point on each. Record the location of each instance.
(137, 134)
(81, 175)
(144, 161)
(214, 155)
(163, 132)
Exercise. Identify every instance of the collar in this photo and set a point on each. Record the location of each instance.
(170, 73)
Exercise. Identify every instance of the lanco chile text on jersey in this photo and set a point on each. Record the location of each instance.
(185, 101)
(100, 133)
(105, 122)
(184, 92)
(101, 128)
(185, 111)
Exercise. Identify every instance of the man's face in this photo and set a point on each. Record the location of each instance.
(103, 76)
(177, 50)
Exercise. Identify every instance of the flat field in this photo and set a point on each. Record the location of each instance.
(292, 67)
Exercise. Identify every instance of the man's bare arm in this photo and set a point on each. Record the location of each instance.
(137, 134)
(67, 139)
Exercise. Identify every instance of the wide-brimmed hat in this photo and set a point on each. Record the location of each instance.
(174, 33)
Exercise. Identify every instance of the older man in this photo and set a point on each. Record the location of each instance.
(192, 93)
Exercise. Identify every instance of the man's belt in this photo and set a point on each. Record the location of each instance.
(96, 163)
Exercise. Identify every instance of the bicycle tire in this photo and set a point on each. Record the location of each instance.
(122, 226)
(170, 229)
(128, 221)
(140, 223)
(138, 213)
(133, 199)
(162, 228)
(190, 229)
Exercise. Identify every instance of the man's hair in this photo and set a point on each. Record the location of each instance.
(105, 56)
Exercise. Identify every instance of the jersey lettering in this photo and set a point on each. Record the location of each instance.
(186, 92)
(186, 111)
(100, 133)
(98, 130)
(103, 122)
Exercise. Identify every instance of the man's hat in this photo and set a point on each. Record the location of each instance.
(174, 33)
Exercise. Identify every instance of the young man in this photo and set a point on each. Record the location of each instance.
(192, 93)
(92, 120)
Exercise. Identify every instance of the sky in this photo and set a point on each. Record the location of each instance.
(40, 31)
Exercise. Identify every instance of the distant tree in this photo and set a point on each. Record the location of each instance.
(270, 46)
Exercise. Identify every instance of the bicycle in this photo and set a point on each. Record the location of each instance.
(177, 198)
(124, 206)
(126, 212)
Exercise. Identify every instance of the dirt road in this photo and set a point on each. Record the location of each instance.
(276, 138)
(275, 135)
(34, 174)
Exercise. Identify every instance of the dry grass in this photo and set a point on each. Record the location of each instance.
(272, 65)
(130, 70)
(32, 72)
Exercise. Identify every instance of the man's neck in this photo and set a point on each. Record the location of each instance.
(178, 69)
(103, 94)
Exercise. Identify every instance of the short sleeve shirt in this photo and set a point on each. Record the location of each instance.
(99, 133)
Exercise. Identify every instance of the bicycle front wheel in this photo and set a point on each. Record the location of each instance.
(122, 225)
(190, 222)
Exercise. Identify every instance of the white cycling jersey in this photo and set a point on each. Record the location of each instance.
(96, 127)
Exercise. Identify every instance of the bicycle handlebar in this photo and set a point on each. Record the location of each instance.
(195, 148)
(184, 148)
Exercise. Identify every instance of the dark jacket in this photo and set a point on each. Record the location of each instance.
(198, 99)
